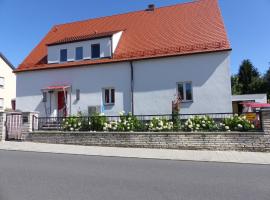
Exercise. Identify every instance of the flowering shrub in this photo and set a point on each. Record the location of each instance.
(125, 123)
(236, 123)
(97, 121)
(72, 124)
(200, 123)
(157, 124)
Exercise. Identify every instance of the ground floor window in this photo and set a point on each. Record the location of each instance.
(109, 96)
(184, 90)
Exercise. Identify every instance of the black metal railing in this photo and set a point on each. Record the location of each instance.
(58, 123)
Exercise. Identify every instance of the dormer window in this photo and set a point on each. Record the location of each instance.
(79, 53)
(95, 50)
(63, 55)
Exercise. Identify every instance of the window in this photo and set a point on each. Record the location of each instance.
(95, 50)
(1, 103)
(184, 89)
(63, 55)
(79, 53)
(2, 82)
(109, 96)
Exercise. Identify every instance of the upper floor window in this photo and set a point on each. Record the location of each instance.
(95, 50)
(63, 55)
(2, 82)
(185, 90)
(79, 53)
(109, 96)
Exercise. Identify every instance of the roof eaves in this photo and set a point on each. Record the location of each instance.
(7, 61)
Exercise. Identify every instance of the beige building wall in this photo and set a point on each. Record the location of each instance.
(8, 90)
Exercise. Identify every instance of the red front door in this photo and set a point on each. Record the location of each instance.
(62, 109)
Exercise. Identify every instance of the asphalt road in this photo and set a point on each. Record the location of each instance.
(43, 176)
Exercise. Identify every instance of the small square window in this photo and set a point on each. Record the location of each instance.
(63, 55)
(184, 90)
(109, 96)
(2, 82)
(95, 50)
(79, 53)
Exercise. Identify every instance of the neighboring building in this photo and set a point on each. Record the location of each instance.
(238, 100)
(137, 62)
(7, 84)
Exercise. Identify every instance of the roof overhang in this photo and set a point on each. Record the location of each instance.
(56, 87)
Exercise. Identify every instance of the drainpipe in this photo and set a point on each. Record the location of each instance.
(132, 86)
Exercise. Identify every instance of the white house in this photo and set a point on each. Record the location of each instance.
(7, 84)
(137, 62)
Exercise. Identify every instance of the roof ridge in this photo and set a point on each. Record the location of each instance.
(119, 14)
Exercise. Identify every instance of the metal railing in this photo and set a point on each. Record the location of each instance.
(57, 123)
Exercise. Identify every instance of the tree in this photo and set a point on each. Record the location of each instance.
(266, 79)
(249, 78)
(236, 86)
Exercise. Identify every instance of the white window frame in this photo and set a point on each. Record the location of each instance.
(2, 86)
(184, 99)
(2, 99)
(110, 95)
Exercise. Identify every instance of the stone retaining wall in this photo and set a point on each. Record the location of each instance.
(243, 141)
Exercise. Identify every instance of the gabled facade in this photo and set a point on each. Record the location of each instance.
(7, 84)
(137, 62)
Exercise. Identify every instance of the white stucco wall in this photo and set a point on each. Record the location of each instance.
(90, 80)
(8, 92)
(155, 84)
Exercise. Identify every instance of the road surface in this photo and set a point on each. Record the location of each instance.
(45, 176)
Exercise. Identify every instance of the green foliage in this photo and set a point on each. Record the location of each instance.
(97, 121)
(200, 123)
(249, 81)
(157, 124)
(236, 123)
(72, 123)
(125, 123)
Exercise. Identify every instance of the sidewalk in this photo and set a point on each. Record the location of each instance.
(188, 155)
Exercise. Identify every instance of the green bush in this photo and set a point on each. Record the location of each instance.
(72, 123)
(157, 124)
(236, 123)
(97, 121)
(200, 123)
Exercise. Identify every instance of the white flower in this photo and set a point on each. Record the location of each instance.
(101, 114)
(71, 129)
(204, 125)
(190, 126)
(227, 127)
(203, 121)
(198, 125)
(240, 126)
(79, 123)
(252, 126)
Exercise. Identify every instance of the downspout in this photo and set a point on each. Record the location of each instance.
(132, 86)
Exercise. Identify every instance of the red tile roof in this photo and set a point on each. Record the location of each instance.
(181, 29)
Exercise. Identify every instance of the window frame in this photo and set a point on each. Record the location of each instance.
(60, 59)
(92, 46)
(2, 86)
(184, 98)
(110, 96)
(77, 48)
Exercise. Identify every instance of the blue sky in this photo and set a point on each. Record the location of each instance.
(24, 23)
